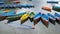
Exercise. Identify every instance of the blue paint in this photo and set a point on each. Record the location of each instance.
(50, 15)
(7, 13)
(55, 2)
(56, 14)
(44, 17)
(37, 16)
(1, 3)
(17, 5)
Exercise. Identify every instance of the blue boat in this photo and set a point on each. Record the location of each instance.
(16, 6)
(1, 3)
(30, 0)
(54, 2)
(37, 18)
(45, 19)
(30, 6)
(7, 13)
(52, 18)
(57, 17)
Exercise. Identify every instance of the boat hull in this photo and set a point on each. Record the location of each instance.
(46, 8)
(36, 20)
(52, 21)
(24, 18)
(31, 16)
(58, 20)
(45, 22)
(1, 3)
(13, 19)
(10, 6)
(2, 17)
(56, 8)
(31, 19)
(54, 2)
(23, 21)
(52, 18)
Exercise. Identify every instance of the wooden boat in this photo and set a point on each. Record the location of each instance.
(10, 13)
(37, 18)
(13, 6)
(1, 3)
(1, 12)
(57, 17)
(16, 2)
(2, 17)
(45, 20)
(56, 8)
(52, 18)
(46, 8)
(24, 18)
(54, 2)
(7, 10)
(6, 14)
(30, 0)
(31, 15)
(29, 6)
(15, 17)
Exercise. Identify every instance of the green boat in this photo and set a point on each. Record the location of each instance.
(56, 8)
(31, 15)
(15, 17)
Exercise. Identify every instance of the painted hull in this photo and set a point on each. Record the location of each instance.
(11, 19)
(16, 6)
(37, 18)
(1, 3)
(2, 17)
(6, 10)
(45, 20)
(52, 18)
(46, 8)
(24, 18)
(31, 16)
(52, 21)
(7, 13)
(57, 17)
(16, 2)
(15, 17)
(54, 2)
(58, 20)
(56, 8)
(1, 12)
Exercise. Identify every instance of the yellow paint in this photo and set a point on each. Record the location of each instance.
(25, 16)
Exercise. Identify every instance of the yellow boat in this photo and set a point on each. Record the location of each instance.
(6, 10)
(24, 18)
